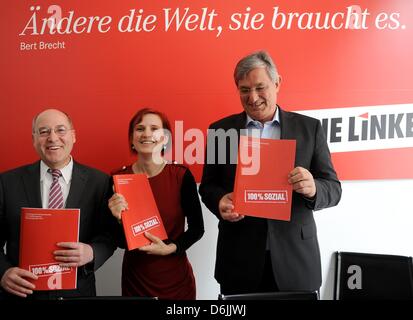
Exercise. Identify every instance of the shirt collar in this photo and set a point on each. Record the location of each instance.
(66, 171)
(275, 119)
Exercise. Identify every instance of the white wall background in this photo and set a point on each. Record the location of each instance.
(373, 216)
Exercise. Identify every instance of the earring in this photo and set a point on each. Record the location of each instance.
(132, 147)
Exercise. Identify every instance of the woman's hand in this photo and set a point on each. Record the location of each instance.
(158, 247)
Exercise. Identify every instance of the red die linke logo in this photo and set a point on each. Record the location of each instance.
(48, 269)
(145, 225)
(266, 196)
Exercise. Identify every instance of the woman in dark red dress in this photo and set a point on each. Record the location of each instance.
(160, 269)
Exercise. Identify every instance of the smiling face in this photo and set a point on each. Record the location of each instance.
(258, 94)
(148, 135)
(53, 138)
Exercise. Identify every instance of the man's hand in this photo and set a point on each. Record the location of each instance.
(226, 209)
(14, 282)
(157, 247)
(76, 254)
(302, 181)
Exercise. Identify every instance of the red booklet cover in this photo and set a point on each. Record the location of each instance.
(261, 186)
(143, 214)
(40, 231)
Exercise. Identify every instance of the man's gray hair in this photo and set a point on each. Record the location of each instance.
(259, 59)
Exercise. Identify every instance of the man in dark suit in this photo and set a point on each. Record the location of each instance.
(79, 187)
(256, 254)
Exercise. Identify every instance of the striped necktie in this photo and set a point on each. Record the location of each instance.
(55, 193)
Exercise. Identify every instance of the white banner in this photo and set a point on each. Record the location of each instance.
(366, 128)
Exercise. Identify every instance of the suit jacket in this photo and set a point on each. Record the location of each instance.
(89, 191)
(294, 246)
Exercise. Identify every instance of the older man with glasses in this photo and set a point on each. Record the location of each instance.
(77, 186)
(257, 254)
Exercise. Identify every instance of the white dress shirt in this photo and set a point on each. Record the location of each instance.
(46, 180)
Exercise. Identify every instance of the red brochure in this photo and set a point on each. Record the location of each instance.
(261, 186)
(143, 214)
(40, 231)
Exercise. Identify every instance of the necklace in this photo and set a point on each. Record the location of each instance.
(137, 169)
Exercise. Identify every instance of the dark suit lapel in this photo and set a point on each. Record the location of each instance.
(240, 121)
(77, 186)
(31, 182)
(288, 126)
(289, 130)
(237, 123)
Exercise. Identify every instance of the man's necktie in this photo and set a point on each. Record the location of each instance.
(55, 194)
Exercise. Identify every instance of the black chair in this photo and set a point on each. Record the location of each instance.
(285, 295)
(366, 276)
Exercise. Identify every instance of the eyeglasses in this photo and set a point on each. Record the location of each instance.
(44, 132)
